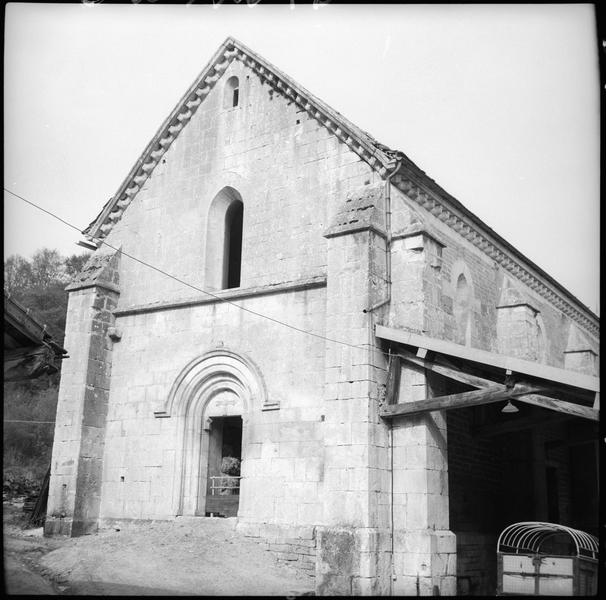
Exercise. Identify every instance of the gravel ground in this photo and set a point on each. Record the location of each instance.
(202, 556)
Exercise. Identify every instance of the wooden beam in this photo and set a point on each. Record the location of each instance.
(38, 361)
(394, 371)
(463, 400)
(422, 352)
(15, 354)
(568, 408)
(516, 365)
(451, 373)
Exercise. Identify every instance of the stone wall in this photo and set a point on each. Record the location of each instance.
(282, 448)
(290, 171)
(506, 315)
(295, 547)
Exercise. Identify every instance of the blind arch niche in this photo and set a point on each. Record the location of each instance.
(224, 240)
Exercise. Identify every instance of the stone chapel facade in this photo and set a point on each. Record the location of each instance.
(256, 191)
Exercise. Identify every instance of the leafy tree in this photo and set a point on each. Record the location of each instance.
(75, 263)
(30, 406)
(48, 268)
(17, 274)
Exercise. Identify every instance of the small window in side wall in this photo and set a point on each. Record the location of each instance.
(462, 311)
(232, 93)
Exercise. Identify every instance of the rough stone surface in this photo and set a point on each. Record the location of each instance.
(363, 505)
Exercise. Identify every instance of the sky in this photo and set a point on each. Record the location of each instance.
(499, 104)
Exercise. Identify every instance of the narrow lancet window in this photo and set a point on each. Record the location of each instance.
(232, 93)
(233, 244)
(462, 309)
(223, 260)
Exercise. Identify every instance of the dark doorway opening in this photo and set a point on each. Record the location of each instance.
(224, 460)
(553, 505)
(532, 465)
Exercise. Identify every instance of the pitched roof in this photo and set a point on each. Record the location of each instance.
(407, 176)
(376, 154)
(21, 329)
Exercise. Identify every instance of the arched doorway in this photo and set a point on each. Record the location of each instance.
(212, 399)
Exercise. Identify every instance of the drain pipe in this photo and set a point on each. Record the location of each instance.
(372, 308)
(387, 241)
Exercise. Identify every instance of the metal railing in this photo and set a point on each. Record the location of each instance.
(225, 485)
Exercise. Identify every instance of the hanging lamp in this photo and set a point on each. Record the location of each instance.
(509, 408)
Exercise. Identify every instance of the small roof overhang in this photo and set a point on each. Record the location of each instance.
(496, 377)
(29, 350)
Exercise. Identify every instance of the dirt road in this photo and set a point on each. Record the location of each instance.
(200, 556)
(23, 549)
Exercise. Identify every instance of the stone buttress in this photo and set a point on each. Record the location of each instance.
(77, 460)
(353, 543)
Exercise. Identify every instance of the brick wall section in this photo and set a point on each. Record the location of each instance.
(474, 469)
(294, 547)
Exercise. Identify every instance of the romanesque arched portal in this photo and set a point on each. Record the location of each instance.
(217, 385)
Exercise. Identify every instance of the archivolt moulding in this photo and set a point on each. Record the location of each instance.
(213, 373)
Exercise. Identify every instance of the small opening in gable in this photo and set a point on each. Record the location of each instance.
(231, 96)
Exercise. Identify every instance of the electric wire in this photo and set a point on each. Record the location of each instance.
(175, 278)
(23, 421)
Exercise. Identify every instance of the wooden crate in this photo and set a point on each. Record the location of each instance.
(544, 575)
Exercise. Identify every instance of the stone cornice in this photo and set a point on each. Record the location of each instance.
(518, 304)
(356, 229)
(226, 295)
(459, 219)
(418, 230)
(590, 350)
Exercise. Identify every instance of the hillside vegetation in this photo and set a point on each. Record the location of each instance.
(30, 406)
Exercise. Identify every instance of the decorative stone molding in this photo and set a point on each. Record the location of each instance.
(214, 372)
(114, 334)
(101, 270)
(361, 211)
(218, 383)
(230, 294)
(417, 230)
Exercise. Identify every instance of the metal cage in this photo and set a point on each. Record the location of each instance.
(546, 559)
